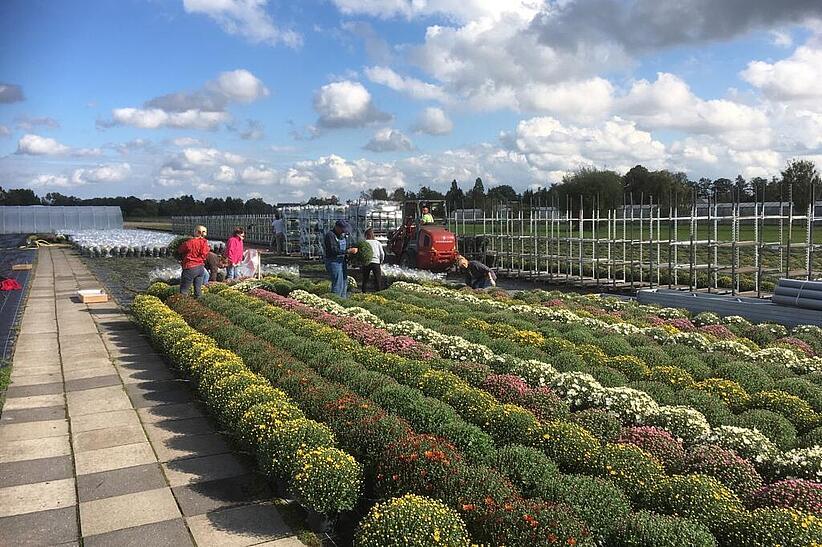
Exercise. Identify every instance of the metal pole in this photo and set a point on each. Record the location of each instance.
(692, 258)
(790, 230)
(670, 241)
(734, 221)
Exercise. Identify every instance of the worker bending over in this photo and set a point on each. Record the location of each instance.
(477, 274)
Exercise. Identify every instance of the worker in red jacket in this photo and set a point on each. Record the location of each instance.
(234, 253)
(194, 253)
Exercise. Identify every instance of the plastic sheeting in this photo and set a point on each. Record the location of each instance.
(105, 243)
(32, 219)
(247, 268)
(400, 273)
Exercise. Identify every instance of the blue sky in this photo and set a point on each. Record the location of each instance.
(286, 100)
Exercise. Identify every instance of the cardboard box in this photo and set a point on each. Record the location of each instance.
(92, 296)
(19, 267)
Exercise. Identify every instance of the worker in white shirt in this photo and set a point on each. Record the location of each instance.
(377, 258)
(278, 235)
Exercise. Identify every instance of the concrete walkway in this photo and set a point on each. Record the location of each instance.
(100, 444)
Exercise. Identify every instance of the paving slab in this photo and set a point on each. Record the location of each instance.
(34, 401)
(35, 358)
(159, 432)
(39, 496)
(93, 401)
(31, 449)
(207, 468)
(84, 355)
(158, 398)
(204, 497)
(115, 457)
(39, 326)
(35, 370)
(119, 512)
(33, 414)
(104, 369)
(17, 390)
(37, 343)
(168, 533)
(70, 341)
(282, 542)
(107, 438)
(79, 329)
(92, 382)
(136, 376)
(52, 527)
(119, 482)
(33, 430)
(39, 470)
(169, 412)
(191, 446)
(104, 420)
(238, 526)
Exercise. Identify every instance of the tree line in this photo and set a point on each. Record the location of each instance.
(588, 187)
(134, 207)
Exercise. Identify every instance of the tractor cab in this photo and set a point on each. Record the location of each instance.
(423, 241)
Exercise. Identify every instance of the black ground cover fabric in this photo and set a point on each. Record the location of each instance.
(11, 302)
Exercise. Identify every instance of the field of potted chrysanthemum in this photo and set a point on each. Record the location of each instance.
(425, 415)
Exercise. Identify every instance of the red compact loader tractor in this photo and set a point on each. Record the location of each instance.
(424, 245)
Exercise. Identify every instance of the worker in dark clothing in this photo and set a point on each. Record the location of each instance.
(336, 248)
(213, 263)
(477, 274)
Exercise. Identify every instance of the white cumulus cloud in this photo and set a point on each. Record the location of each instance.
(35, 145)
(669, 103)
(153, 118)
(346, 104)
(414, 88)
(210, 156)
(796, 78)
(205, 108)
(225, 174)
(116, 172)
(240, 86)
(389, 140)
(459, 10)
(433, 121)
(246, 18)
(616, 144)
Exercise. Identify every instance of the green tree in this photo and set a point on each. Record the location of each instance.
(593, 186)
(637, 180)
(18, 196)
(332, 200)
(256, 206)
(503, 193)
(56, 198)
(722, 189)
(454, 196)
(803, 178)
(744, 189)
(398, 194)
(379, 193)
(478, 191)
(428, 193)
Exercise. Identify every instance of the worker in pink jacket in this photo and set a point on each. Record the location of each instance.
(234, 252)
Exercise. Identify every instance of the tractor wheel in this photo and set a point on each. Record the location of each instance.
(407, 261)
